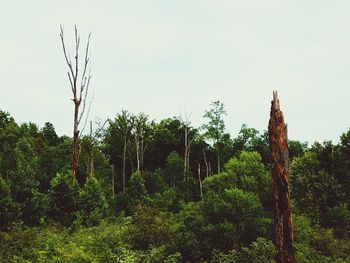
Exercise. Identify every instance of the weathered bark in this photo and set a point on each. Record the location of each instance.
(80, 88)
(285, 251)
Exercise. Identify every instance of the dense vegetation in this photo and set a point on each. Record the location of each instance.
(164, 191)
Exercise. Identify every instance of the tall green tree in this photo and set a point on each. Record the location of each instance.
(117, 139)
(215, 127)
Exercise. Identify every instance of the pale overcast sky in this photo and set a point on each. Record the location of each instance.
(158, 56)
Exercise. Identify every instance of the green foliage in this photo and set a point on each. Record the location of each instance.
(64, 196)
(167, 201)
(92, 203)
(261, 250)
(53, 160)
(239, 211)
(150, 227)
(49, 134)
(174, 168)
(219, 182)
(137, 190)
(249, 139)
(47, 217)
(313, 189)
(215, 128)
(8, 208)
(245, 172)
(190, 233)
(154, 182)
(302, 229)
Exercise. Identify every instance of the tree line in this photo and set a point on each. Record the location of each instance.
(141, 178)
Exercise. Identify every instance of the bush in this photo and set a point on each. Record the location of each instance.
(92, 203)
(150, 227)
(63, 199)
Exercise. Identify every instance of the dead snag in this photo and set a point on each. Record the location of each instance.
(79, 84)
(280, 184)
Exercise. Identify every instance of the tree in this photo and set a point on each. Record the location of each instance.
(174, 168)
(249, 174)
(216, 126)
(315, 191)
(280, 184)
(7, 205)
(92, 202)
(64, 196)
(189, 136)
(137, 190)
(117, 137)
(80, 88)
(249, 139)
(49, 134)
(141, 133)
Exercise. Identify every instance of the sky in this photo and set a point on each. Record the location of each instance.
(160, 57)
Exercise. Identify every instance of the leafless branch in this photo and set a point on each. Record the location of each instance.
(87, 114)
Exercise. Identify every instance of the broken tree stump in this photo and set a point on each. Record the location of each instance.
(284, 238)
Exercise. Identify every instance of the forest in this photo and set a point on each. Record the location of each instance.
(165, 191)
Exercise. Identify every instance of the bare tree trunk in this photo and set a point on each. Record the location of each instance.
(185, 155)
(210, 173)
(206, 163)
(280, 184)
(200, 181)
(188, 160)
(137, 144)
(142, 152)
(79, 90)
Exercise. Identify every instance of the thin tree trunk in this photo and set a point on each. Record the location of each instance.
(137, 144)
(200, 181)
(142, 153)
(185, 155)
(188, 160)
(79, 91)
(206, 163)
(284, 238)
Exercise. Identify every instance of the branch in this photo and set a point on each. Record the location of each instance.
(88, 113)
(77, 41)
(68, 61)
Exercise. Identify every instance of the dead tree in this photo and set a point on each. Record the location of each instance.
(79, 83)
(140, 133)
(280, 184)
(187, 144)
